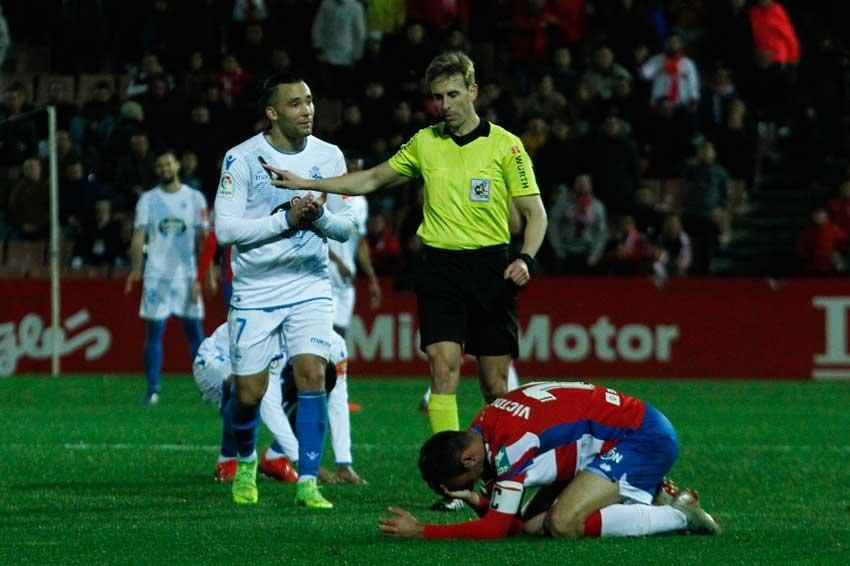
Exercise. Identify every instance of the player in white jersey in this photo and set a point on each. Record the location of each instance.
(344, 258)
(173, 218)
(211, 370)
(281, 286)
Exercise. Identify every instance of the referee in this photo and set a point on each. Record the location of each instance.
(466, 290)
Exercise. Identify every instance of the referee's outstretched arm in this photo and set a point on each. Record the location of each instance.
(357, 183)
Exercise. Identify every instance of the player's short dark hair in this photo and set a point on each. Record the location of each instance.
(439, 458)
(268, 89)
(451, 63)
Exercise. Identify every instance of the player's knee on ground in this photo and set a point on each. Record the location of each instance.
(564, 525)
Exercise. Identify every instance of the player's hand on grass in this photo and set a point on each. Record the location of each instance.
(132, 279)
(517, 272)
(327, 477)
(403, 525)
(346, 474)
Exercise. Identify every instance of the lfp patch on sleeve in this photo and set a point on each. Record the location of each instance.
(225, 186)
(479, 190)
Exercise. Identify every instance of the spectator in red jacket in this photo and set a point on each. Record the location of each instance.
(773, 33)
(821, 245)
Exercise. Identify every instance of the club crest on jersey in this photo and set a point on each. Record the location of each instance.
(225, 186)
(503, 464)
(479, 190)
(315, 173)
(171, 226)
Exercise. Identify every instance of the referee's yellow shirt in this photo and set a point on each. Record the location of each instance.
(469, 183)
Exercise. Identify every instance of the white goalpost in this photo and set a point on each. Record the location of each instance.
(54, 247)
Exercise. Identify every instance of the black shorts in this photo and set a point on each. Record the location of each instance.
(464, 298)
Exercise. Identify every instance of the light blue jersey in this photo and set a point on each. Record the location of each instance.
(172, 221)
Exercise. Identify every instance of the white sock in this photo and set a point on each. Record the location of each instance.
(222, 458)
(303, 478)
(427, 397)
(513, 377)
(250, 458)
(637, 520)
(339, 419)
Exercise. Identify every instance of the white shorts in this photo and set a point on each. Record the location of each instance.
(343, 306)
(209, 376)
(164, 297)
(258, 335)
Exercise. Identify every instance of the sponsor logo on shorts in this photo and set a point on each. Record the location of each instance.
(613, 455)
(225, 186)
(315, 340)
(479, 190)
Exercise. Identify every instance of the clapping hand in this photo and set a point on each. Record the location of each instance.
(303, 211)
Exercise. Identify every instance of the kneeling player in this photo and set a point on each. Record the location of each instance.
(598, 456)
(212, 375)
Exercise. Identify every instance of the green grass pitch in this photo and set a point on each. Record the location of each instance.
(87, 476)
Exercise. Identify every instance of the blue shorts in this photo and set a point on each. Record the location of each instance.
(640, 460)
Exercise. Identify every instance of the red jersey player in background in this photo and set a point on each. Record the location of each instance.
(600, 458)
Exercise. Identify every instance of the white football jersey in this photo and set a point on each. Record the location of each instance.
(172, 221)
(272, 265)
(347, 251)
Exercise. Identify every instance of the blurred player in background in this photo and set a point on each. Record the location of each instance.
(173, 219)
(345, 256)
(344, 259)
(599, 457)
(212, 369)
(467, 285)
(281, 286)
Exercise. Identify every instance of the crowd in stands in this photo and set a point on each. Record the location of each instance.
(650, 122)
